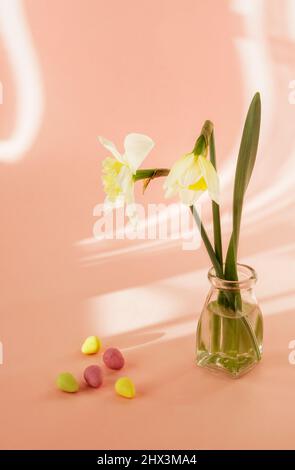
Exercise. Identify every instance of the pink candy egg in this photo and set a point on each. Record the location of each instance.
(93, 376)
(113, 359)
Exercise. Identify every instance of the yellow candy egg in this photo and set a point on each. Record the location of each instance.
(125, 387)
(91, 345)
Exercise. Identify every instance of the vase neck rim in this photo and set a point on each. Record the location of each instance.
(247, 278)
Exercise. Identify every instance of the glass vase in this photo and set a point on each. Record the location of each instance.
(230, 328)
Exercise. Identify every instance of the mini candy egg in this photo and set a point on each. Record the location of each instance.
(67, 382)
(91, 345)
(125, 387)
(113, 358)
(93, 376)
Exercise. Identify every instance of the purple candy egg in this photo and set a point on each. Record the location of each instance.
(93, 376)
(113, 359)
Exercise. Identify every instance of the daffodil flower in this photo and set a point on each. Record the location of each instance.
(190, 176)
(120, 169)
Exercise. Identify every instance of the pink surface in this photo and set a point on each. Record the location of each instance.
(158, 67)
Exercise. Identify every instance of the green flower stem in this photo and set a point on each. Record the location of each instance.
(238, 325)
(252, 335)
(207, 243)
(215, 333)
(216, 320)
(150, 173)
(205, 140)
(202, 142)
(215, 209)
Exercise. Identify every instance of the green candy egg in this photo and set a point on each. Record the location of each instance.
(67, 382)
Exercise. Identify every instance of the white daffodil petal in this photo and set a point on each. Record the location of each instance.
(179, 168)
(170, 191)
(192, 173)
(125, 179)
(111, 148)
(109, 205)
(188, 196)
(137, 147)
(184, 173)
(210, 176)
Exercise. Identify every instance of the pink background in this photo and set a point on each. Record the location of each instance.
(159, 67)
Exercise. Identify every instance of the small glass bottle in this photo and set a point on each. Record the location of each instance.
(230, 328)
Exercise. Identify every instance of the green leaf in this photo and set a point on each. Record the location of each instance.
(245, 165)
